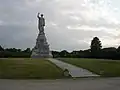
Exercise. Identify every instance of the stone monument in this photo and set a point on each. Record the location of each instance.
(41, 49)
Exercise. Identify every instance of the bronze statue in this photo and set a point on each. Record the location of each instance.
(41, 23)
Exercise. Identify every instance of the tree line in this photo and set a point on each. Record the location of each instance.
(95, 51)
(15, 53)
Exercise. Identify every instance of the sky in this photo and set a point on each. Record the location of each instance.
(70, 24)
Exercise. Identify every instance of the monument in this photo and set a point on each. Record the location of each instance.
(41, 49)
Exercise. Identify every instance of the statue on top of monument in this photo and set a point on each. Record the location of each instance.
(41, 23)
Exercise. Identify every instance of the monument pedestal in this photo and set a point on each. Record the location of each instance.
(41, 50)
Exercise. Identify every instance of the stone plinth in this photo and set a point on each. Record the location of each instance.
(41, 50)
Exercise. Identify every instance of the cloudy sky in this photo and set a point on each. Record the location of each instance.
(70, 24)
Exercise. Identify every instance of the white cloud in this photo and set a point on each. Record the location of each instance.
(110, 41)
(112, 31)
(1, 22)
(70, 24)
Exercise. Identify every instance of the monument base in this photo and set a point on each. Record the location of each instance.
(40, 55)
(41, 50)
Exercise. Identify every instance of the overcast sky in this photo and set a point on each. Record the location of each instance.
(70, 24)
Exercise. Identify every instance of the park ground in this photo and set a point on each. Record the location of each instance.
(107, 68)
(20, 68)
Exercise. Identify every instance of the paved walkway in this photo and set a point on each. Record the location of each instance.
(67, 84)
(73, 70)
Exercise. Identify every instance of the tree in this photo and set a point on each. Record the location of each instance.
(118, 49)
(64, 53)
(118, 53)
(109, 53)
(55, 54)
(95, 46)
(27, 50)
(1, 48)
(11, 49)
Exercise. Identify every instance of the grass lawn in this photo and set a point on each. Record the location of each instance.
(28, 68)
(101, 67)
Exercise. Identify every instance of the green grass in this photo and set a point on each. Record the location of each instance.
(28, 68)
(101, 67)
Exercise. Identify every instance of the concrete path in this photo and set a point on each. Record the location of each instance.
(73, 70)
(79, 84)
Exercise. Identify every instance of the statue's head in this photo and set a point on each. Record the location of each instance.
(41, 15)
